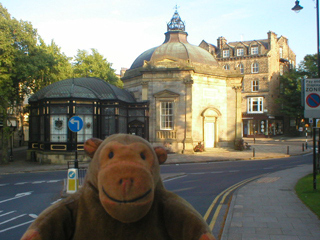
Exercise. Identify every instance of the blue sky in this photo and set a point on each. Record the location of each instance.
(122, 29)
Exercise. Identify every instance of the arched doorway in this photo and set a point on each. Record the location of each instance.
(210, 128)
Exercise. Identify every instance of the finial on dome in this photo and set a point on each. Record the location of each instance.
(176, 24)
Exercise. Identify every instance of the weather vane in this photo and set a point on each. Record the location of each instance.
(176, 24)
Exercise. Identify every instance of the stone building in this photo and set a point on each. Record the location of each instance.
(191, 98)
(261, 62)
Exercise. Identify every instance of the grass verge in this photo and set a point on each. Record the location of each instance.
(309, 196)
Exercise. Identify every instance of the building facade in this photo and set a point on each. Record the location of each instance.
(191, 98)
(104, 109)
(261, 62)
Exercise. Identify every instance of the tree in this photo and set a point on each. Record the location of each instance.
(290, 87)
(309, 66)
(26, 65)
(17, 39)
(290, 94)
(94, 65)
(47, 65)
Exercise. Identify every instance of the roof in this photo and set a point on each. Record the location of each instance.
(176, 48)
(82, 88)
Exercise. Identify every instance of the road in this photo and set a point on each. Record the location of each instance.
(23, 197)
(207, 186)
(201, 184)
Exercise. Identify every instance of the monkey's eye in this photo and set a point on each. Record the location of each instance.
(143, 156)
(110, 155)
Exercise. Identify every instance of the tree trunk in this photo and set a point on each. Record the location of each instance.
(5, 137)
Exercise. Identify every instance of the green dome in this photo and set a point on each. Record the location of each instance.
(82, 88)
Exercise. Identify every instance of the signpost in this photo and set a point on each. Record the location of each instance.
(311, 102)
(75, 124)
(312, 98)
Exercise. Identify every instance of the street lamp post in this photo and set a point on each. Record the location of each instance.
(297, 8)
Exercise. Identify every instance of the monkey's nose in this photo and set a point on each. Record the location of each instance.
(126, 184)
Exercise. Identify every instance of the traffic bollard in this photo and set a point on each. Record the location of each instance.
(73, 180)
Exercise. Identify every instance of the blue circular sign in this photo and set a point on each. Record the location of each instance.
(313, 100)
(72, 174)
(75, 124)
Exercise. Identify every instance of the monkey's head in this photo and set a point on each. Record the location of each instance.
(125, 170)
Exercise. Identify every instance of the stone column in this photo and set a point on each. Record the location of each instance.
(188, 141)
(144, 96)
(238, 134)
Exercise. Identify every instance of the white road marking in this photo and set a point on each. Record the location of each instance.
(4, 184)
(19, 195)
(56, 201)
(53, 181)
(37, 182)
(217, 172)
(11, 219)
(7, 213)
(20, 183)
(33, 215)
(170, 179)
(13, 227)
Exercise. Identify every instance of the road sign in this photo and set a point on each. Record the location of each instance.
(312, 98)
(72, 174)
(75, 124)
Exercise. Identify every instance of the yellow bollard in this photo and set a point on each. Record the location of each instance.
(73, 180)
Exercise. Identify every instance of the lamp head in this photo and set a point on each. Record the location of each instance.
(297, 7)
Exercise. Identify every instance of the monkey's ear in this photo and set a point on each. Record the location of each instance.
(91, 146)
(161, 154)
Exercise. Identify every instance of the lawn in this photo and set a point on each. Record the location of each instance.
(307, 194)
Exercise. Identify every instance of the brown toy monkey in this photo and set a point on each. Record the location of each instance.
(122, 198)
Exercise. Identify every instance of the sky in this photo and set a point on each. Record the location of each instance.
(121, 30)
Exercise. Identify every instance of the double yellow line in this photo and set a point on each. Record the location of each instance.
(224, 195)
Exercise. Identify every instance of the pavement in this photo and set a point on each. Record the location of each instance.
(266, 208)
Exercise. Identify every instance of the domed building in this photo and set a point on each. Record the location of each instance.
(191, 98)
(104, 109)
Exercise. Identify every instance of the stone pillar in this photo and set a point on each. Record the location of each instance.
(144, 96)
(188, 141)
(238, 131)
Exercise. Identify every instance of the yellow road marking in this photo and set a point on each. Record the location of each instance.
(225, 193)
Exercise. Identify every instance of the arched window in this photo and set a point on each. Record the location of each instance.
(241, 67)
(255, 67)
